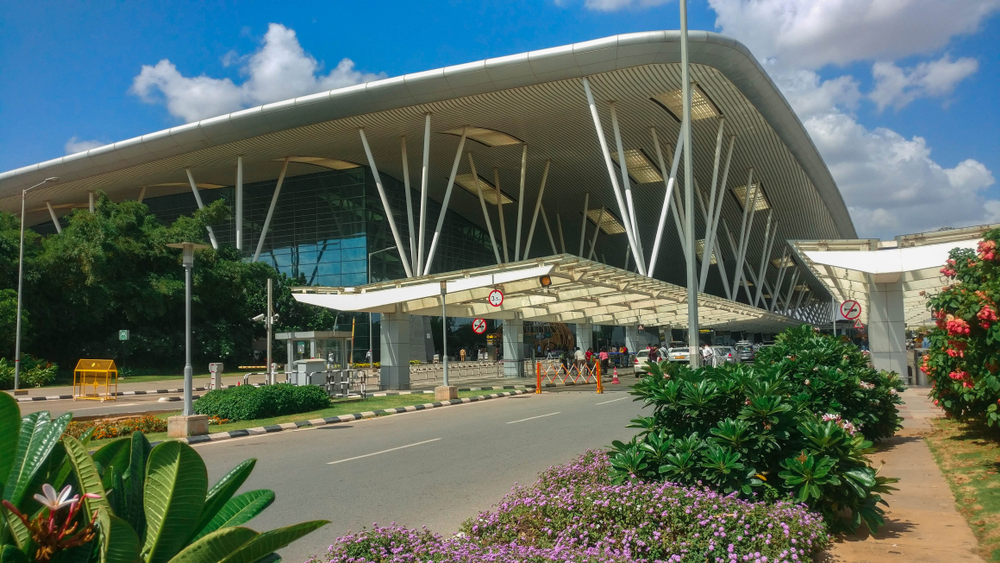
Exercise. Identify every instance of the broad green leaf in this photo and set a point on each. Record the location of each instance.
(239, 510)
(216, 546)
(87, 477)
(223, 491)
(38, 436)
(863, 475)
(10, 424)
(268, 542)
(11, 554)
(174, 494)
(140, 449)
(120, 544)
(114, 453)
(22, 537)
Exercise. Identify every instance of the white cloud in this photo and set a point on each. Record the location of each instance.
(615, 5)
(891, 184)
(75, 145)
(897, 87)
(279, 70)
(813, 33)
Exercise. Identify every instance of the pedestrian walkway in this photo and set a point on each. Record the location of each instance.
(922, 523)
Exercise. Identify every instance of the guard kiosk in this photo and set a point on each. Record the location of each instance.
(95, 380)
(334, 346)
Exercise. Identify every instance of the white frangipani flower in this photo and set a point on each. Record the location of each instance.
(54, 501)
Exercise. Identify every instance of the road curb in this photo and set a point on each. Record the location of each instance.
(270, 429)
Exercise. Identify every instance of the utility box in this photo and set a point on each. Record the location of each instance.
(216, 369)
(309, 372)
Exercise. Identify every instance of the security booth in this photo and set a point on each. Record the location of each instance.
(95, 380)
(334, 346)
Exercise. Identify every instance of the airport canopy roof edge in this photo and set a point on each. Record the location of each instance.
(580, 291)
(846, 267)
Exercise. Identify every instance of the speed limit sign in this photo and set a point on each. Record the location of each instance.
(496, 298)
(850, 309)
(479, 326)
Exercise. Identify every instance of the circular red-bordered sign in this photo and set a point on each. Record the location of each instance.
(850, 309)
(479, 326)
(496, 298)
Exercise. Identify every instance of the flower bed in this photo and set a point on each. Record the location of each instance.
(114, 428)
(575, 513)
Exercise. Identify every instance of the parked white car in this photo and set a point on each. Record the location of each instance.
(678, 354)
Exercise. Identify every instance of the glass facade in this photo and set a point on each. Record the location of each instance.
(324, 226)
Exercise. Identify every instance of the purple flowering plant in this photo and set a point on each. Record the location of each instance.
(576, 513)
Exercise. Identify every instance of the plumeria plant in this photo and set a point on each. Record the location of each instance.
(54, 529)
(964, 355)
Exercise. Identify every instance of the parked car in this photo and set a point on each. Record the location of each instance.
(725, 354)
(679, 354)
(641, 357)
(745, 351)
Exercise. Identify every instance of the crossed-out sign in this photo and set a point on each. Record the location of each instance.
(496, 298)
(850, 309)
(479, 326)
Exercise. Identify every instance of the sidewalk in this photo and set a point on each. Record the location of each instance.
(922, 524)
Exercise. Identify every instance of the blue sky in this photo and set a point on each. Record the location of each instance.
(901, 98)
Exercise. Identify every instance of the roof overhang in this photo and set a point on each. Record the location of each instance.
(581, 291)
(848, 267)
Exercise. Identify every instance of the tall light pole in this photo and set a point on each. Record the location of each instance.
(188, 262)
(20, 284)
(692, 275)
(371, 345)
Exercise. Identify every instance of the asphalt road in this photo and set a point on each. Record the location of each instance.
(124, 405)
(435, 468)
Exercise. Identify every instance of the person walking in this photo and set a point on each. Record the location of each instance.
(461, 355)
(580, 359)
(707, 357)
(604, 359)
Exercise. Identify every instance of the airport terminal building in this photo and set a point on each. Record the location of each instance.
(561, 163)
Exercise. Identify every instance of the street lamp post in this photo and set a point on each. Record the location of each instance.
(371, 345)
(20, 284)
(445, 392)
(188, 424)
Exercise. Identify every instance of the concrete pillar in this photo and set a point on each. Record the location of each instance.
(633, 340)
(395, 368)
(886, 327)
(584, 336)
(312, 348)
(513, 348)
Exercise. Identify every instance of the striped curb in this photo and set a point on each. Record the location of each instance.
(261, 430)
(118, 394)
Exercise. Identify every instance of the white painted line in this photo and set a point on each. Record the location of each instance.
(613, 400)
(106, 406)
(534, 417)
(383, 451)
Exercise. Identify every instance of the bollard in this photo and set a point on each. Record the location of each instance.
(600, 385)
(614, 380)
(538, 377)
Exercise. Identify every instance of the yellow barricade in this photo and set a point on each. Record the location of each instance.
(95, 380)
(556, 373)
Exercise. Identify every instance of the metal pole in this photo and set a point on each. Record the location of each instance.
(423, 194)
(444, 204)
(692, 275)
(503, 222)
(562, 238)
(482, 203)
(239, 203)
(833, 315)
(188, 407)
(668, 182)
(371, 347)
(583, 227)
(409, 202)
(538, 207)
(520, 204)
(270, 328)
(444, 332)
(385, 205)
(197, 199)
(20, 285)
(597, 231)
(626, 182)
(270, 211)
(55, 220)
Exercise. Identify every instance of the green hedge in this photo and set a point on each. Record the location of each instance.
(34, 372)
(247, 402)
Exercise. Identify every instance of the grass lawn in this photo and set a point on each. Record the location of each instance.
(970, 461)
(338, 408)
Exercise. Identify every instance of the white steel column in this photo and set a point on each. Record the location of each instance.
(548, 230)
(765, 255)
(597, 231)
(409, 202)
(423, 193)
(707, 257)
(791, 291)
(749, 207)
(385, 205)
(444, 204)
(626, 221)
(482, 203)
(583, 227)
(732, 247)
(626, 181)
(55, 220)
(538, 207)
(781, 277)
(90, 201)
(503, 223)
(520, 204)
(562, 238)
(692, 279)
(716, 210)
(239, 203)
(197, 199)
(669, 181)
(270, 211)
(710, 215)
(142, 194)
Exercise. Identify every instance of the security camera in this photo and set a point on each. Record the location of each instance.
(259, 318)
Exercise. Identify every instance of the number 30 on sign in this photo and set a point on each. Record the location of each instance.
(496, 298)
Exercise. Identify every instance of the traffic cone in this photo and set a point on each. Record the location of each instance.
(614, 380)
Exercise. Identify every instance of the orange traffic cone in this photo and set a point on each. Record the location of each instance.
(614, 380)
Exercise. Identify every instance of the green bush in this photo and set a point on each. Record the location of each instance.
(247, 402)
(798, 422)
(34, 372)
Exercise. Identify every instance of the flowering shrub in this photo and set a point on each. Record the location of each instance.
(964, 355)
(34, 372)
(575, 513)
(114, 428)
(798, 422)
